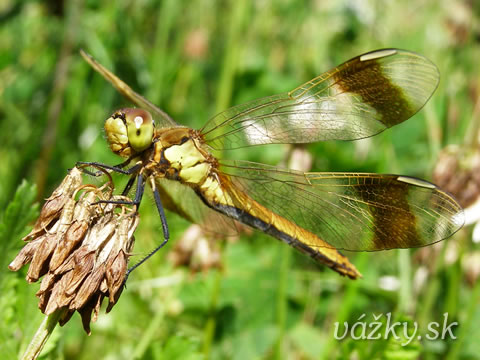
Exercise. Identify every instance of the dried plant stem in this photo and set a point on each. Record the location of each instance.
(41, 336)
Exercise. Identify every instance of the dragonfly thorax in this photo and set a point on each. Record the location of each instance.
(179, 153)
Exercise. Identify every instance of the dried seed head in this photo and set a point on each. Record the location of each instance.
(196, 44)
(81, 248)
(471, 267)
(54, 205)
(195, 250)
(458, 171)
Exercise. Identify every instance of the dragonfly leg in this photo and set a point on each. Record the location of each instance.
(166, 232)
(128, 186)
(138, 193)
(117, 168)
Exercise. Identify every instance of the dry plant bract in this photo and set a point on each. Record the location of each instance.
(79, 248)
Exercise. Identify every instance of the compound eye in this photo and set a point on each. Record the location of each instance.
(116, 132)
(140, 128)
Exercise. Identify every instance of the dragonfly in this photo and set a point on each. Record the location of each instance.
(317, 213)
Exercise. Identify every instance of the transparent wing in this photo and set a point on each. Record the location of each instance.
(357, 212)
(161, 118)
(183, 201)
(357, 99)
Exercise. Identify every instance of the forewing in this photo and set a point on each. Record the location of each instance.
(161, 118)
(355, 100)
(357, 212)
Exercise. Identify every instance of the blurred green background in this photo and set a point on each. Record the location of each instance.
(194, 59)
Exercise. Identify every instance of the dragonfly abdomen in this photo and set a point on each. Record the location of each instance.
(220, 193)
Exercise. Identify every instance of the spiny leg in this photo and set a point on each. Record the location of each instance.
(116, 168)
(166, 232)
(138, 193)
(138, 198)
(128, 186)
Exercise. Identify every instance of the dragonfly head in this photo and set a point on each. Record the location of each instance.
(129, 131)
